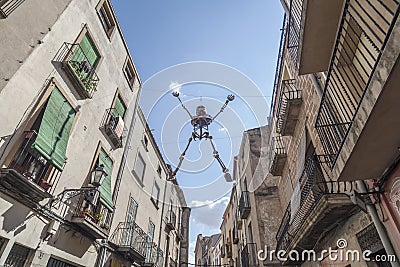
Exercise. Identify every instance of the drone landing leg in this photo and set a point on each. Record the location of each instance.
(216, 155)
(181, 158)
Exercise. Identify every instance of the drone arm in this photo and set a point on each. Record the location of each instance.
(182, 157)
(184, 107)
(216, 156)
(228, 99)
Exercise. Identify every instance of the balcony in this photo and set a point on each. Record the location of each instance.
(29, 175)
(8, 6)
(90, 219)
(223, 251)
(112, 125)
(154, 256)
(312, 31)
(76, 65)
(244, 205)
(170, 219)
(320, 205)
(278, 156)
(249, 255)
(360, 92)
(129, 240)
(288, 110)
(228, 250)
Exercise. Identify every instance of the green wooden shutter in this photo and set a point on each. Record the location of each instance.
(90, 50)
(55, 127)
(86, 51)
(105, 187)
(119, 107)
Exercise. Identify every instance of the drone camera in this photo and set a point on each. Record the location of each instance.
(231, 97)
(175, 93)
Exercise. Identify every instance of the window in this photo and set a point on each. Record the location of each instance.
(145, 142)
(155, 194)
(129, 72)
(150, 238)
(17, 256)
(42, 152)
(132, 210)
(58, 263)
(119, 107)
(140, 167)
(106, 18)
(105, 187)
(86, 55)
(159, 170)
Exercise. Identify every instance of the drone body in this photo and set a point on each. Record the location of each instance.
(200, 123)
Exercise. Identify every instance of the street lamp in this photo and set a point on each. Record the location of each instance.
(98, 176)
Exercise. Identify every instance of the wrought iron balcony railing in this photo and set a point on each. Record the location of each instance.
(278, 156)
(288, 108)
(154, 255)
(91, 217)
(294, 27)
(114, 127)
(313, 187)
(81, 72)
(29, 172)
(364, 30)
(249, 255)
(244, 205)
(8, 6)
(130, 241)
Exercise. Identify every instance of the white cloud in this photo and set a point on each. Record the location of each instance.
(208, 213)
(223, 129)
(175, 86)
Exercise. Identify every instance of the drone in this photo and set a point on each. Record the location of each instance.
(200, 123)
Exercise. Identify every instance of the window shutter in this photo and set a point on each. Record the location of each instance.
(120, 107)
(55, 127)
(89, 50)
(105, 187)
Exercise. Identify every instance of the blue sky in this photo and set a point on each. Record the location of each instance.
(241, 38)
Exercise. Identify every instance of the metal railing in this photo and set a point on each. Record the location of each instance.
(249, 255)
(114, 127)
(278, 68)
(154, 255)
(244, 202)
(89, 208)
(313, 186)
(130, 235)
(32, 165)
(8, 6)
(294, 26)
(76, 59)
(289, 91)
(363, 32)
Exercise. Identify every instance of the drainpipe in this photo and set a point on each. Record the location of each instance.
(316, 84)
(103, 247)
(378, 225)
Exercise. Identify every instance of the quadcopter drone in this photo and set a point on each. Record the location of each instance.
(200, 123)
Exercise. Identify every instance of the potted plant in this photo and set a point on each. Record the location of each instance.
(105, 226)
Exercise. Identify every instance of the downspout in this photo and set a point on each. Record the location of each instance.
(387, 244)
(103, 247)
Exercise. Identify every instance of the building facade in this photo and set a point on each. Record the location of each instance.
(69, 102)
